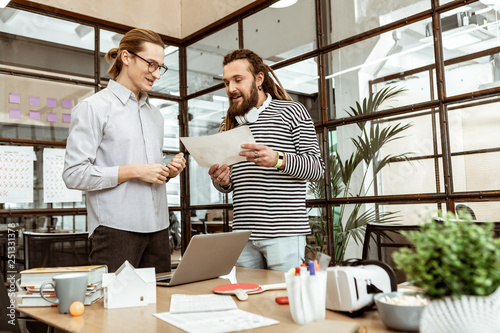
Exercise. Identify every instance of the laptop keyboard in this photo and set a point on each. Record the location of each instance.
(164, 278)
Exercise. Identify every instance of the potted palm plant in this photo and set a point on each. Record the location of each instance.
(367, 157)
(457, 264)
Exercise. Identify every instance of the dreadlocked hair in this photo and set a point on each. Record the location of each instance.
(257, 65)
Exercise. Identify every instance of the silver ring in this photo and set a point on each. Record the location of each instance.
(218, 179)
(256, 159)
(256, 154)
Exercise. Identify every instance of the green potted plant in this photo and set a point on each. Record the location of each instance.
(456, 262)
(367, 157)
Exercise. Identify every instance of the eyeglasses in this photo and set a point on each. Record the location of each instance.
(153, 65)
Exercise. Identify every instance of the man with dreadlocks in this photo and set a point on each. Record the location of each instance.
(269, 188)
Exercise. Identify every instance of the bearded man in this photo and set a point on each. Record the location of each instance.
(269, 189)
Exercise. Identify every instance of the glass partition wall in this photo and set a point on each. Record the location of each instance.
(441, 56)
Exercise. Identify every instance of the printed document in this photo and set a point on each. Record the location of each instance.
(221, 148)
(216, 321)
(210, 314)
(201, 303)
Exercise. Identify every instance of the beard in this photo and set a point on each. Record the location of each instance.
(248, 102)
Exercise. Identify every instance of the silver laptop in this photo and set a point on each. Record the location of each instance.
(207, 257)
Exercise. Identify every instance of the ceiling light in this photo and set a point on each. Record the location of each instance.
(283, 3)
(4, 3)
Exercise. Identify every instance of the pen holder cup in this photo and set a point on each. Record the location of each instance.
(307, 296)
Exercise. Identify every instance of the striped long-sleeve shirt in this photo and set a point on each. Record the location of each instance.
(268, 201)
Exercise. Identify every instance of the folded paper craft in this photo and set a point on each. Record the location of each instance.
(129, 287)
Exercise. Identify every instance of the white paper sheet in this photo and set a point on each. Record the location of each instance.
(216, 321)
(222, 148)
(201, 303)
(54, 189)
(16, 174)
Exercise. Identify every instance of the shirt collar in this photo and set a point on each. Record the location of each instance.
(124, 94)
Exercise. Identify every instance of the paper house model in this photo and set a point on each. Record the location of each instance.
(129, 286)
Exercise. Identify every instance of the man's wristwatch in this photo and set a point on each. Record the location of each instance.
(280, 159)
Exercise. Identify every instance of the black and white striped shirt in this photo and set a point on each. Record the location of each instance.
(268, 201)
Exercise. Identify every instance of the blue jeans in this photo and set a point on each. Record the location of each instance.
(279, 254)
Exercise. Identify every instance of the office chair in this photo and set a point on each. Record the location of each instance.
(384, 239)
(466, 210)
(48, 249)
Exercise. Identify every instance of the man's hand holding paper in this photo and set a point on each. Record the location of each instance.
(222, 148)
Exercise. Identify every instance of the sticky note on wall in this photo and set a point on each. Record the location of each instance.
(34, 101)
(15, 113)
(52, 117)
(15, 98)
(51, 102)
(35, 115)
(68, 104)
(66, 117)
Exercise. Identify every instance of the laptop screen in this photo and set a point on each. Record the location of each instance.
(209, 256)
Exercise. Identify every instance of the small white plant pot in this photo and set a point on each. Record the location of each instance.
(466, 314)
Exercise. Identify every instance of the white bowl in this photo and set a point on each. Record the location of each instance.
(399, 317)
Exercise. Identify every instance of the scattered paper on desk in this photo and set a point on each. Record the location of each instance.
(216, 322)
(222, 148)
(201, 303)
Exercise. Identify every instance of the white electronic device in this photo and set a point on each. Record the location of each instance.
(351, 288)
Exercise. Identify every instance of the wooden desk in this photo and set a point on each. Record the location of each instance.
(141, 319)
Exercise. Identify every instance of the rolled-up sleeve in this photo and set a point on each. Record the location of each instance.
(85, 134)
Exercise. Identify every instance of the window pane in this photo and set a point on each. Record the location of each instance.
(301, 82)
(277, 34)
(108, 40)
(204, 58)
(353, 67)
(476, 172)
(170, 112)
(349, 18)
(173, 186)
(201, 188)
(29, 40)
(205, 113)
(169, 82)
(419, 84)
(419, 176)
(38, 188)
(377, 142)
(41, 109)
(316, 189)
(468, 30)
(483, 210)
(210, 220)
(470, 76)
(469, 124)
(404, 214)
(317, 241)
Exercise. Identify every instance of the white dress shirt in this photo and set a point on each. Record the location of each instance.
(110, 129)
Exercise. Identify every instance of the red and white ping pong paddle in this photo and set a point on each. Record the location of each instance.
(239, 289)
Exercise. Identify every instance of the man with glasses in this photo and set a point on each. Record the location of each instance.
(114, 153)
